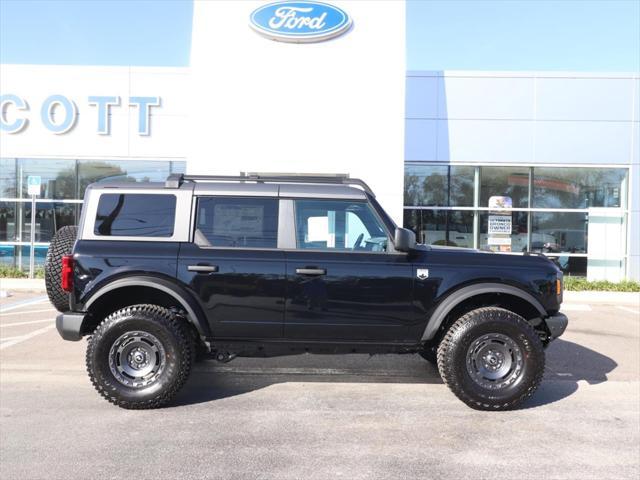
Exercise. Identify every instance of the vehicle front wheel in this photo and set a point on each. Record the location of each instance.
(491, 359)
(140, 356)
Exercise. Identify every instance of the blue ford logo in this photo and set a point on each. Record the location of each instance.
(299, 22)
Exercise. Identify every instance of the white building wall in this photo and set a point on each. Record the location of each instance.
(335, 106)
(34, 83)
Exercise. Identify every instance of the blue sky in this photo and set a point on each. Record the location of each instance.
(96, 32)
(582, 35)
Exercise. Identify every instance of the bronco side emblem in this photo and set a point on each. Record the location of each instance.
(422, 273)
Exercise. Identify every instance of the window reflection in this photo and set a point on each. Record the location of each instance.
(439, 185)
(58, 177)
(554, 232)
(8, 177)
(578, 187)
(50, 217)
(572, 266)
(505, 181)
(441, 227)
(122, 171)
(8, 215)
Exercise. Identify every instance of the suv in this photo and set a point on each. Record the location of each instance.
(160, 274)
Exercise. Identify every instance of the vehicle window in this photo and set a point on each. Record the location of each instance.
(237, 222)
(338, 225)
(135, 215)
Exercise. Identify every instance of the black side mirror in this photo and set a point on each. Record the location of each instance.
(404, 240)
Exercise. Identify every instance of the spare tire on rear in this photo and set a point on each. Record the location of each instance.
(61, 244)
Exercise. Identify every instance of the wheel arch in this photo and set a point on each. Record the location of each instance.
(142, 289)
(478, 295)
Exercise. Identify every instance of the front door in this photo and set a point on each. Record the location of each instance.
(234, 267)
(343, 282)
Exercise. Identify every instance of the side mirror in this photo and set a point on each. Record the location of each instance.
(404, 240)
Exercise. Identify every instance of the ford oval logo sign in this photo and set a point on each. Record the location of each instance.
(300, 22)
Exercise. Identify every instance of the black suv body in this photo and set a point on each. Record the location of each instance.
(264, 266)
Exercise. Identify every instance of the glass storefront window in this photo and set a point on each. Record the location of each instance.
(441, 227)
(18, 256)
(7, 178)
(578, 187)
(58, 177)
(441, 185)
(519, 233)
(8, 216)
(571, 266)
(122, 171)
(555, 232)
(505, 181)
(50, 217)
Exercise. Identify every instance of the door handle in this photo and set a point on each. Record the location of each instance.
(203, 268)
(311, 271)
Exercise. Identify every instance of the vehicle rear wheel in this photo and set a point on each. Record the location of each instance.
(61, 244)
(140, 357)
(491, 359)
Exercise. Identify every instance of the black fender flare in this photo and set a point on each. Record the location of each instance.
(458, 296)
(194, 312)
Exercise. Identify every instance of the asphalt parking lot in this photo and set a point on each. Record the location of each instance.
(321, 417)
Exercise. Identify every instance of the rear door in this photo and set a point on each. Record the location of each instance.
(234, 267)
(345, 282)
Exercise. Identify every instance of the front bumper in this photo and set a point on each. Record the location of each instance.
(69, 325)
(556, 324)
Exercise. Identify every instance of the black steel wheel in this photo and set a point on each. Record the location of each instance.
(61, 244)
(491, 359)
(140, 356)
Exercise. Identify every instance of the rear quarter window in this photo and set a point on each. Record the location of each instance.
(135, 215)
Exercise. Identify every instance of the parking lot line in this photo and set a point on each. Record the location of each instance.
(28, 322)
(15, 341)
(28, 311)
(24, 303)
(628, 309)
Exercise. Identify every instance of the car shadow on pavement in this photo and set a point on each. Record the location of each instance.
(211, 380)
(567, 364)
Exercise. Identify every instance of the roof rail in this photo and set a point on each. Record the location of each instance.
(176, 179)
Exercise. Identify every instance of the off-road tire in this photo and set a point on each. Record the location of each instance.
(454, 351)
(165, 327)
(61, 244)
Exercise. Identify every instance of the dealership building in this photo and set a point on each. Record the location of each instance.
(516, 162)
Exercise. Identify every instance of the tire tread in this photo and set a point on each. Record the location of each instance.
(170, 321)
(450, 341)
(61, 244)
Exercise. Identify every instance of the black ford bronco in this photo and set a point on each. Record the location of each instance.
(161, 274)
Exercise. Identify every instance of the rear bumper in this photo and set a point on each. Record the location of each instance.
(69, 325)
(556, 324)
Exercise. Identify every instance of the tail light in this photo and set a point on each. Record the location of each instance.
(66, 277)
